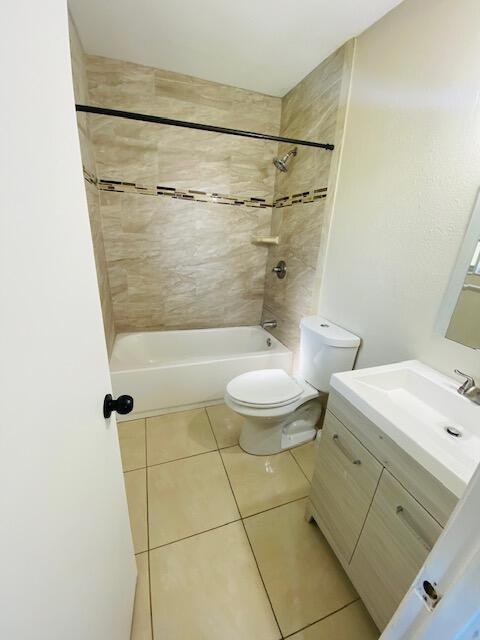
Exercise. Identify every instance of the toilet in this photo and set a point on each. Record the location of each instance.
(280, 411)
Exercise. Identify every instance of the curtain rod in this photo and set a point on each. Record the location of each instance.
(195, 125)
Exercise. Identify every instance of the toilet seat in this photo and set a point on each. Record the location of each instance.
(279, 410)
(264, 389)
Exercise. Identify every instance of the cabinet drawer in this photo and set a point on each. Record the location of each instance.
(344, 482)
(395, 541)
(429, 491)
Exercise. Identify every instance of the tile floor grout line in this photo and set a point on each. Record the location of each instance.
(148, 540)
(250, 515)
(193, 535)
(146, 486)
(202, 453)
(307, 626)
(277, 506)
(134, 469)
(248, 539)
(210, 425)
(224, 467)
(193, 455)
(300, 466)
(241, 519)
(166, 544)
(225, 524)
(261, 578)
(150, 594)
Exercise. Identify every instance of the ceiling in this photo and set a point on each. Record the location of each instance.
(263, 45)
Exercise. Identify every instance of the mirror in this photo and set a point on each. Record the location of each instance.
(461, 308)
(464, 326)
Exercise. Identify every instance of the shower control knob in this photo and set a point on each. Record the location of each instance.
(122, 405)
(280, 269)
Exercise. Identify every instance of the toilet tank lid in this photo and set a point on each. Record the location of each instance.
(330, 333)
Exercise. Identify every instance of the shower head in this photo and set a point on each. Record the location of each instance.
(282, 163)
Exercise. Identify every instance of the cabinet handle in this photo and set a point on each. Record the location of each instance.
(346, 453)
(410, 523)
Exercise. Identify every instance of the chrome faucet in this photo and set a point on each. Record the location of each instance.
(269, 324)
(468, 389)
(467, 385)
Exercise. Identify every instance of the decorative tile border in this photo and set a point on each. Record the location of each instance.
(90, 177)
(180, 194)
(194, 195)
(300, 198)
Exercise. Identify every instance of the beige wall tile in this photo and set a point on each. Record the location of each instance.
(80, 85)
(187, 497)
(78, 61)
(262, 482)
(178, 435)
(208, 586)
(136, 489)
(303, 577)
(226, 425)
(309, 111)
(131, 435)
(351, 623)
(93, 203)
(142, 620)
(177, 264)
(173, 95)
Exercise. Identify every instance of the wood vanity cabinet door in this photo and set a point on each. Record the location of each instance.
(344, 482)
(395, 541)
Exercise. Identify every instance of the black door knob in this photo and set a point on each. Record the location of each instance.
(123, 405)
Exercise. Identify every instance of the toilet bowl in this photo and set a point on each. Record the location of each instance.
(281, 411)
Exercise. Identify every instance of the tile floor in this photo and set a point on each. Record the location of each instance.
(222, 548)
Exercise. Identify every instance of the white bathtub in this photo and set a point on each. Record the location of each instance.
(165, 370)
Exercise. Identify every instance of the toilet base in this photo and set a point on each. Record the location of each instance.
(269, 435)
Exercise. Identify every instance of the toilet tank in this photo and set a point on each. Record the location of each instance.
(325, 349)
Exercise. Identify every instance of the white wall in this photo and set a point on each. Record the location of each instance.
(409, 174)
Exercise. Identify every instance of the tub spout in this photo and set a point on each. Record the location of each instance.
(269, 324)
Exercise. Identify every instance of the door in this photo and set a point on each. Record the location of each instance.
(454, 567)
(66, 555)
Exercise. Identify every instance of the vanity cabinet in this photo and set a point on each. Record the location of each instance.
(343, 484)
(395, 541)
(380, 511)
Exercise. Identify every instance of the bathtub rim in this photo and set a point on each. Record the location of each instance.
(277, 347)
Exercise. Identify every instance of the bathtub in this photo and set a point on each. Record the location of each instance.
(166, 370)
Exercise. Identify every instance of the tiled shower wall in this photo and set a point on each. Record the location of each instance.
(80, 86)
(173, 211)
(313, 110)
(178, 235)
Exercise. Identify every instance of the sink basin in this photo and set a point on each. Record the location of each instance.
(420, 409)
